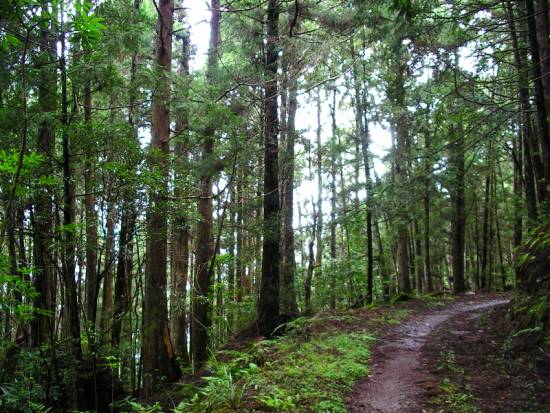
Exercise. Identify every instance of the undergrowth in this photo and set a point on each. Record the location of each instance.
(310, 369)
(295, 375)
(454, 397)
(314, 376)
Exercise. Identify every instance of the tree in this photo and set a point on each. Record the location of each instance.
(456, 157)
(268, 303)
(288, 293)
(158, 353)
(181, 233)
(204, 247)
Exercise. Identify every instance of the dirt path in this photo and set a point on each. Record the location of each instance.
(393, 384)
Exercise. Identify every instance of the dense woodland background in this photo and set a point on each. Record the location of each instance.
(149, 211)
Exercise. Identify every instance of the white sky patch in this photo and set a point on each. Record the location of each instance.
(198, 18)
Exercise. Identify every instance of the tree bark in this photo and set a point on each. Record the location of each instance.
(268, 304)
(333, 193)
(310, 268)
(456, 157)
(533, 164)
(107, 299)
(319, 165)
(181, 236)
(485, 270)
(538, 31)
(72, 319)
(44, 280)
(92, 279)
(157, 353)
(204, 249)
(400, 121)
(363, 138)
(289, 308)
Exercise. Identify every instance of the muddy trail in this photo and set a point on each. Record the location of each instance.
(395, 380)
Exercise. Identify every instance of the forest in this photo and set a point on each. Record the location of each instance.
(274, 205)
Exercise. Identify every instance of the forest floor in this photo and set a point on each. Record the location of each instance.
(458, 358)
(435, 354)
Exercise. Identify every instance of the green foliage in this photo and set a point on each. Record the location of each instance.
(222, 390)
(8, 40)
(278, 400)
(87, 26)
(457, 399)
(298, 372)
(447, 362)
(25, 393)
(131, 406)
(314, 375)
(393, 318)
(17, 286)
(435, 300)
(225, 388)
(11, 164)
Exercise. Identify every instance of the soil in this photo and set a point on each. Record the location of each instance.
(399, 380)
(502, 372)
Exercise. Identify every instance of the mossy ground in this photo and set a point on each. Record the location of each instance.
(313, 367)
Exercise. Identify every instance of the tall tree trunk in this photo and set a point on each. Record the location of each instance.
(157, 353)
(538, 31)
(180, 231)
(44, 279)
(204, 248)
(426, 233)
(310, 267)
(363, 138)
(382, 264)
(72, 320)
(122, 289)
(456, 158)
(517, 145)
(13, 268)
(319, 165)
(108, 267)
(231, 267)
(333, 193)
(485, 270)
(240, 269)
(498, 237)
(517, 154)
(419, 261)
(268, 304)
(401, 128)
(92, 279)
(531, 159)
(543, 38)
(289, 307)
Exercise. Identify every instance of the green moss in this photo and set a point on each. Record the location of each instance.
(314, 376)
